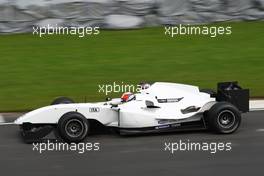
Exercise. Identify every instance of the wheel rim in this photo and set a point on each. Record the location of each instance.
(226, 119)
(74, 128)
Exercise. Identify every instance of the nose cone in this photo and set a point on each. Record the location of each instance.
(20, 120)
(30, 116)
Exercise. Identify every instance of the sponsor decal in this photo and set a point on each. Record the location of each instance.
(163, 126)
(94, 109)
(166, 121)
(170, 100)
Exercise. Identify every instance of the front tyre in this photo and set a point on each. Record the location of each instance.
(224, 118)
(62, 100)
(73, 127)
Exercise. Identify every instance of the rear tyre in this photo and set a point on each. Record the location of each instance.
(62, 100)
(223, 118)
(73, 127)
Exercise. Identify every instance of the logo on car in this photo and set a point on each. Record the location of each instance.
(94, 109)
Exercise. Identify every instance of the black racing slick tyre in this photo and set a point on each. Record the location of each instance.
(62, 100)
(73, 127)
(224, 118)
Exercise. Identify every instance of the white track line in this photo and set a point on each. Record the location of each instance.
(256, 105)
(3, 122)
(2, 119)
(257, 109)
(7, 123)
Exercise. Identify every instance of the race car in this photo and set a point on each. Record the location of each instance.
(157, 107)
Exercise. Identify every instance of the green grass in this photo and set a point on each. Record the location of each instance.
(34, 70)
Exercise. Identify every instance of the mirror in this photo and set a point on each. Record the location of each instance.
(108, 99)
(115, 101)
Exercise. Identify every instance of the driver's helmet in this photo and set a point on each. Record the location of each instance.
(128, 96)
(144, 86)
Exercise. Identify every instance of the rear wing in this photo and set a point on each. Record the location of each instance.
(234, 94)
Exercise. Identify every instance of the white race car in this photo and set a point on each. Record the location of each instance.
(159, 107)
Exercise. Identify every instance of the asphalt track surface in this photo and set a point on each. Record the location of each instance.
(140, 155)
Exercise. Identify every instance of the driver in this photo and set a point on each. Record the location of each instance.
(128, 96)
